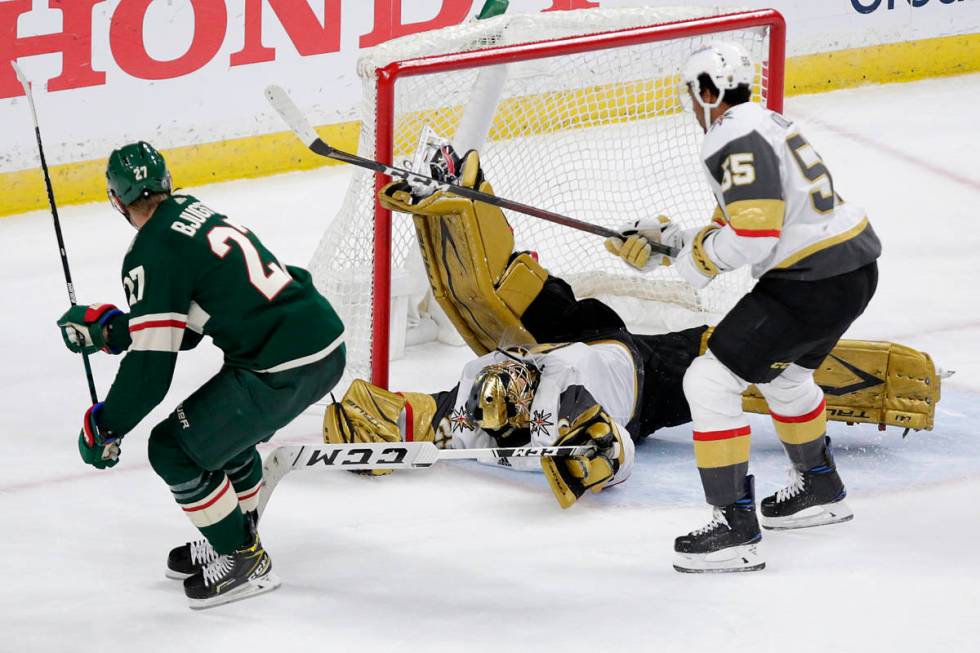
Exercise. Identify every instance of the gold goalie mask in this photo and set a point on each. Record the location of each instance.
(501, 395)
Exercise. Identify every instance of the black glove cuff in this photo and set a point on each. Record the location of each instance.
(118, 339)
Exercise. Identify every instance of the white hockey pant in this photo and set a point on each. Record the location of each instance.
(722, 436)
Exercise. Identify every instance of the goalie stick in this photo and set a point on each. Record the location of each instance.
(386, 455)
(112, 449)
(298, 123)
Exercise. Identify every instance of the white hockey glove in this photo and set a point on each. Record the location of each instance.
(636, 250)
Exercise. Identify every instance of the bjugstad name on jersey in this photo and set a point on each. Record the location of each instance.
(195, 215)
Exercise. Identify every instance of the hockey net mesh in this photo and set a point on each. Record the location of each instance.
(599, 136)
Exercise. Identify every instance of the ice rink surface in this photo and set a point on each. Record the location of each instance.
(469, 558)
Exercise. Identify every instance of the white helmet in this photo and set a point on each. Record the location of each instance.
(727, 64)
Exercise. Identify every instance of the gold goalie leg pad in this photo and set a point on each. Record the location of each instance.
(368, 413)
(468, 250)
(873, 382)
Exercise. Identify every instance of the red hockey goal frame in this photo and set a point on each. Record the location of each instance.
(387, 76)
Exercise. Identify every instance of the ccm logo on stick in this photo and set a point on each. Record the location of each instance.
(389, 456)
(526, 451)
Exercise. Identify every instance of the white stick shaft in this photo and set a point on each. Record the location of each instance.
(291, 114)
(22, 78)
(385, 455)
(402, 455)
(516, 452)
(474, 126)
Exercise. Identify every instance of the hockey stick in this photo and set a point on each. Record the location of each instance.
(112, 449)
(297, 122)
(387, 455)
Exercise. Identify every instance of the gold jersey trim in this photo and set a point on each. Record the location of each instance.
(757, 217)
(718, 216)
(827, 243)
(703, 262)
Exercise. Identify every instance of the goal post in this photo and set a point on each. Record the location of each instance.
(585, 121)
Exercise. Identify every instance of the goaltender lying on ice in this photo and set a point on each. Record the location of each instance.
(599, 385)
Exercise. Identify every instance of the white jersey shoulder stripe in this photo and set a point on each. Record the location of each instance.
(197, 317)
(306, 360)
(159, 338)
(157, 332)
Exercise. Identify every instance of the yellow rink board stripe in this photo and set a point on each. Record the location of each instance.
(192, 165)
(257, 156)
(882, 64)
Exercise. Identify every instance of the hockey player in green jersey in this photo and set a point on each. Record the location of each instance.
(191, 272)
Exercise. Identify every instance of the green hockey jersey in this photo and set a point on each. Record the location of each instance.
(191, 272)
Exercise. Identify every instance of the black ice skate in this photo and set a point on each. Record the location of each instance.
(189, 559)
(813, 498)
(239, 575)
(725, 544)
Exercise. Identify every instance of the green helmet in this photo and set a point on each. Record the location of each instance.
(135, 171)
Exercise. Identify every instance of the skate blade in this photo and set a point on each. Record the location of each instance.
(831, 513)
(267, 583)
(731, 560)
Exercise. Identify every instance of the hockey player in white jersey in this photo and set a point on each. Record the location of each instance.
(608, 388)
(538, 397)
(814, 256)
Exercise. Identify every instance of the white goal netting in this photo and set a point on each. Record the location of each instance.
(597, 135)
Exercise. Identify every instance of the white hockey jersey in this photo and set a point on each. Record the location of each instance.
(778, 210)
(574, 377)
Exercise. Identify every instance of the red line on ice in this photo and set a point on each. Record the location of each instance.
(69, 478)
(905, 156)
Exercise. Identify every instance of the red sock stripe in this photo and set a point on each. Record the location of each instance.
(246, 497)
(709, 436)
(809, 417)
(212, 501)
(409, 420)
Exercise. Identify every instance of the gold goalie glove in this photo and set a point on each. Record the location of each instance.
(468, 250)
(368, 413)
(570, 477)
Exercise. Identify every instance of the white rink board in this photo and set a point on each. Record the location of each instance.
(465, 557)
(220, 101)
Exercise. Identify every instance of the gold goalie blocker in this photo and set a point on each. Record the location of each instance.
(485, 288)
